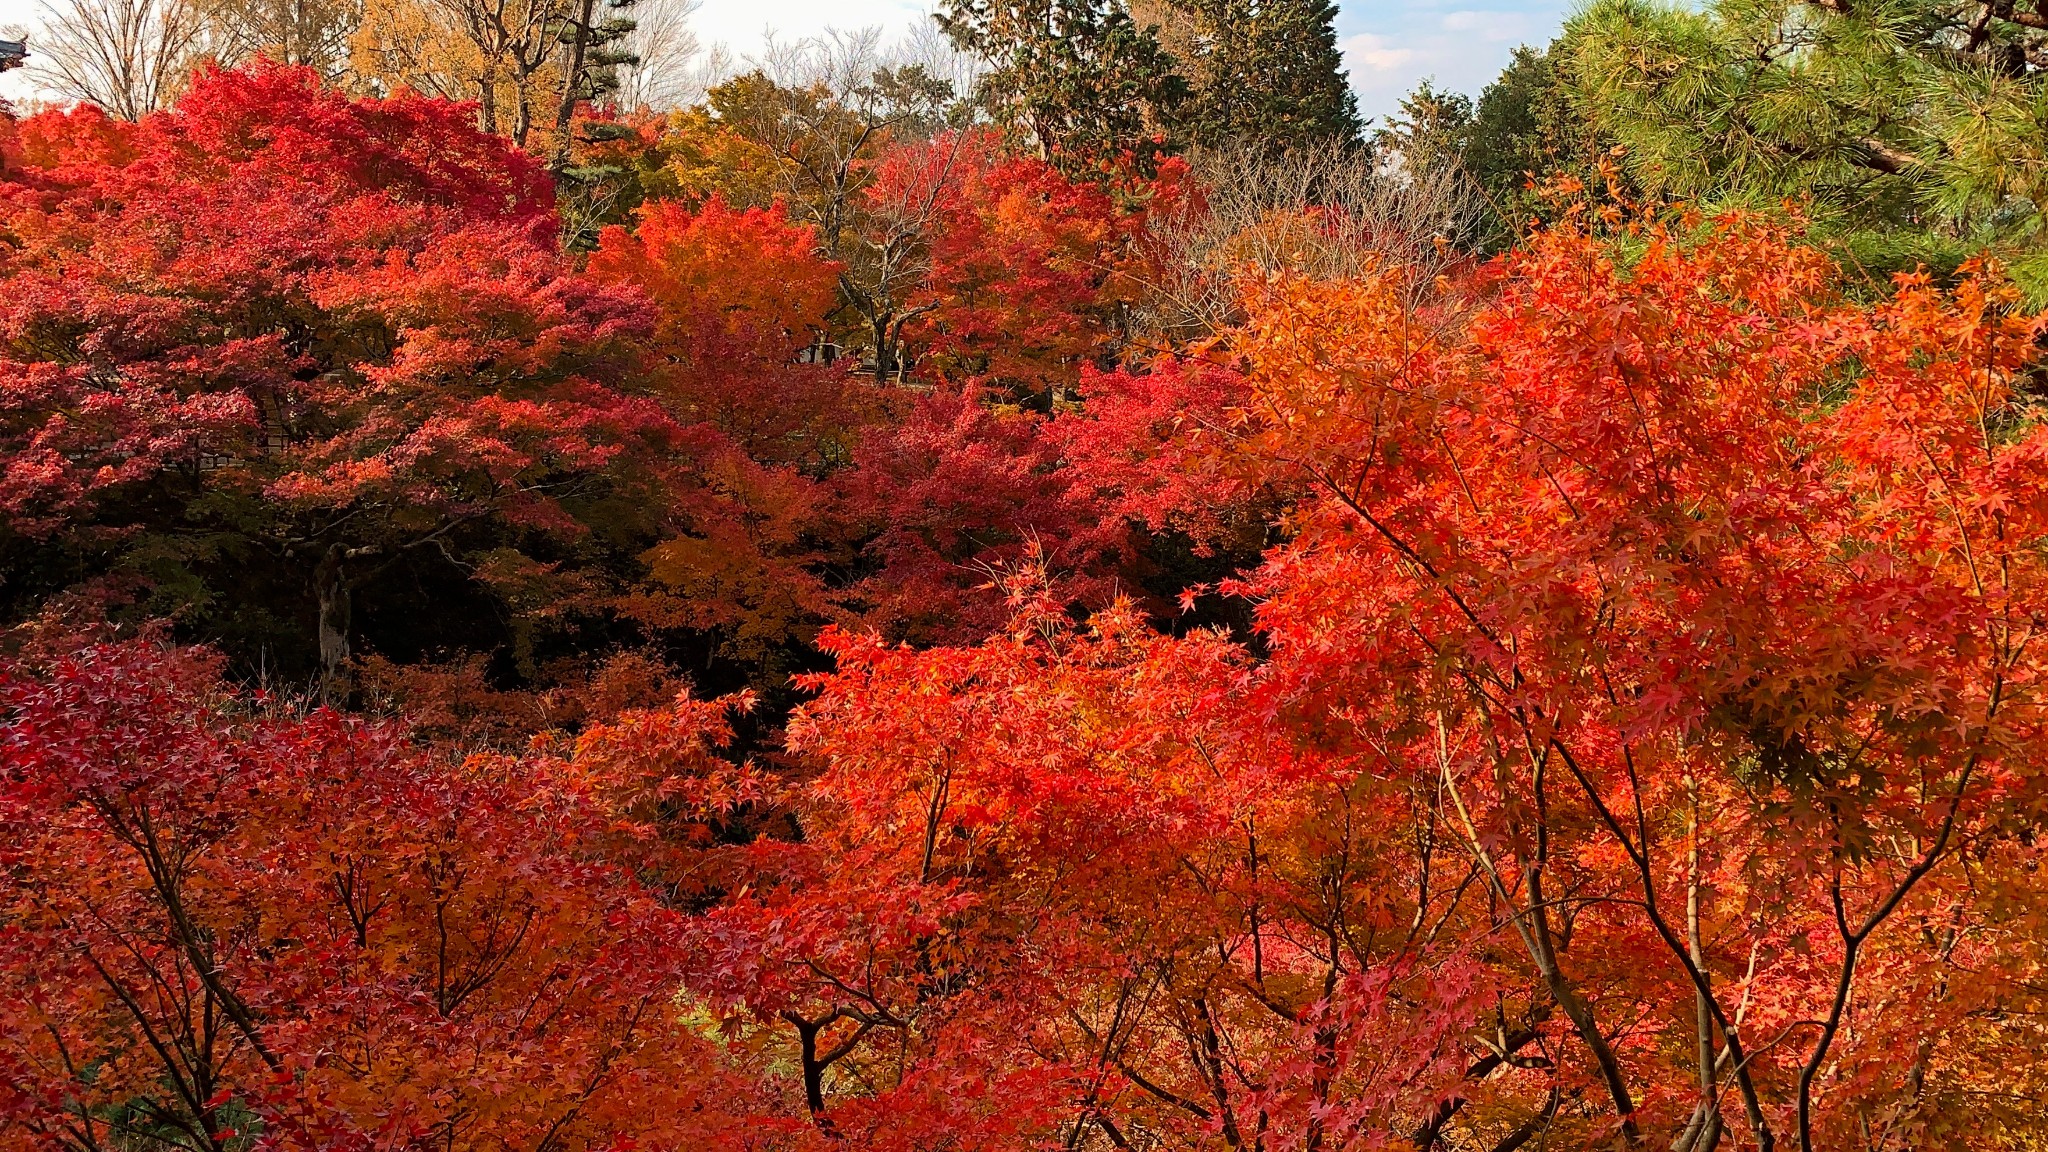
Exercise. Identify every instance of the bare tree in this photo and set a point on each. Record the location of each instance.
(888, 256)
(1327, 211)
(828, 104)
(311, 33)
(927, 47)
(825, 106)
(666, 56)
(705, 71)
(836, 63)
(130, 57)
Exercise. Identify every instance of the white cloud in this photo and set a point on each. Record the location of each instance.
(1367, 52)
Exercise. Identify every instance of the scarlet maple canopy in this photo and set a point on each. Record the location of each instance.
(281, 337)
(224, 927)
(1631, 732)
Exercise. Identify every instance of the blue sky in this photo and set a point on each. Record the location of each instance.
(1388, 46)
(1391, 47)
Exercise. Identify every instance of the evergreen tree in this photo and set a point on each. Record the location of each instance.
(1265, 72)
(1527, 128)
(1917, 129)
(1080, 78)
(1504, 150)
(592, 193)
(1430, 132)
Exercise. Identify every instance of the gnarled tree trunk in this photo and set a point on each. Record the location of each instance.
(331, 590)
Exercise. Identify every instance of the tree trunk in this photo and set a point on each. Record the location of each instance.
(885, 350)
(487, 103)
(330, 587)
(522, 114)
(1576, 1009)
(1703, 1132)
(566, 111)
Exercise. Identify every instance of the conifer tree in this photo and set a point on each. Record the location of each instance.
(1527, 127)
(1430, 132)
(1265, 72)
(1918, 129)
(1082, 79)
(594, 38)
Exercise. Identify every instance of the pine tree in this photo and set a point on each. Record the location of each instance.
(1081, 79)
(1917, 129)
(1429, 133)
(1263, 72)
(593, 37)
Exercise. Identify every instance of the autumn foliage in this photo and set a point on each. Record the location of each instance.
(464, 692)
(227, 924)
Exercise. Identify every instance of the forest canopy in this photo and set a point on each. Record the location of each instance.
(1055, 589)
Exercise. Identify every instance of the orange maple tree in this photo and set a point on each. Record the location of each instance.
(1630, 734)
(1704, 598)
(1643, 750)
